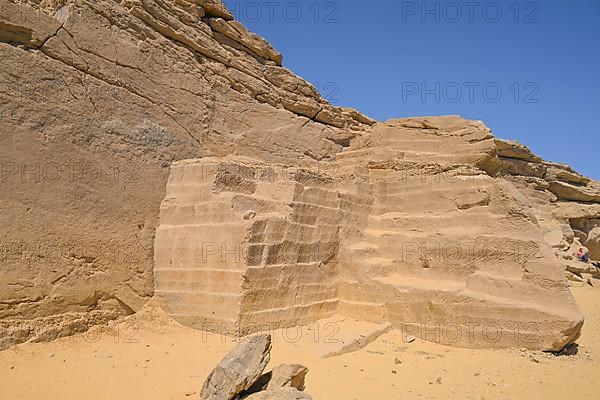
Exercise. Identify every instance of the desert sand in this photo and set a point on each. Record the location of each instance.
(164, 360)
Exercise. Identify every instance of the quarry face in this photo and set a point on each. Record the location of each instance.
(158, 149)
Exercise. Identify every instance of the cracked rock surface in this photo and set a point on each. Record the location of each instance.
(118, 118)
(97, 99)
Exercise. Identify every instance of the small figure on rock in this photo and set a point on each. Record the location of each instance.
(583, 254)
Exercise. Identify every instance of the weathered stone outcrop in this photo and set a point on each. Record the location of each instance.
(567, 191)
(515, 150)
(97, 99)
(287, 375)
(24, 26)
(403, 227)
(564, 202)
(443, 241)
(238, 375)
(592, 242)
(156, 147)
(238, 370)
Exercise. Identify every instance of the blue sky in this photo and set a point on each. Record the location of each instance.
(529, 70)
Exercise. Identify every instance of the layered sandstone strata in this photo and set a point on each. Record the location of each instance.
(97, 99)
(449, 251)
(565, 203)
(405, 226)
(242, 244)
(277, 208)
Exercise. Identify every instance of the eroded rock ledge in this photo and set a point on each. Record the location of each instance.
(243, 59)
(566, 203)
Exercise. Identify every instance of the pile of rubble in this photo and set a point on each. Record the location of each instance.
(575, 257)
(587, 272)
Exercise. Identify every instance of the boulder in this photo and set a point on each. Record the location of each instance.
(288, 375)
(574, 277)
(593, 243)
(239, 370)
(285, 393)
(582, 236)
(284, 375)
(578, 267)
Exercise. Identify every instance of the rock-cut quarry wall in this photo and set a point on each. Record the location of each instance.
(98, 98)
(406, 226)
(243, 244)
(156, 147)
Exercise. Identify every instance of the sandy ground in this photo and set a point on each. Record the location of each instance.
(158, 359)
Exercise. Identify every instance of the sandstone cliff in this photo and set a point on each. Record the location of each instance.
(98, 98)
(413, 224)
(110, 108)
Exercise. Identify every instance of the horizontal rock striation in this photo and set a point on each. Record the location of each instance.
(405, 226)
(448, 252)
(97, 99)
(244, 245)
(157, 147)
(565, 203)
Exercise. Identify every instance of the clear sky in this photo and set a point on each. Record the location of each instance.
(529, 70)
